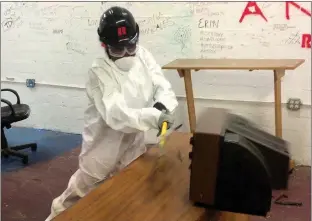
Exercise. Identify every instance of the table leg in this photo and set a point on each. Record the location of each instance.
(278, 74)
(190, 99)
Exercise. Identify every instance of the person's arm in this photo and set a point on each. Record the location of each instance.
(113, 108)
(163, 92)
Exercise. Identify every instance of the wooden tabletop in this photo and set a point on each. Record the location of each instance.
(149, 189)
(235, 64)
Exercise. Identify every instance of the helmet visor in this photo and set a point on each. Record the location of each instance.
(122, 50)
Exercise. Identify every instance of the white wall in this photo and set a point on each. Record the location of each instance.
(56, 42)
(62, 109)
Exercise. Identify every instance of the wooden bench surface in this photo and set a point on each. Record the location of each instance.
(149, 189)
(235, 64)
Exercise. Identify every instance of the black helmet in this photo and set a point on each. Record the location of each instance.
(118, 28)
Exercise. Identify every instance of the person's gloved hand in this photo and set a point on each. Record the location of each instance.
(165, 117)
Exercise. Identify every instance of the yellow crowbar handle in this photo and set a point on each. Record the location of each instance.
(162, 134)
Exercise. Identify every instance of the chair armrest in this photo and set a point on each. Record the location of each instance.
(14, 92)
(9, 104)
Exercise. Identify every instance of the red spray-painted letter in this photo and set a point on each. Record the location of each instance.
(306, 41)
(305, 11)
(252, 9)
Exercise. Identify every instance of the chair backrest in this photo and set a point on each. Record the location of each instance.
(18, 100)
(13, 112)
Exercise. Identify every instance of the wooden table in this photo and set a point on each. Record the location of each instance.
(149, 189)
(278, 66)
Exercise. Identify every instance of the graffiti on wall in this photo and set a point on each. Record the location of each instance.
(252, 8)
(306, 41)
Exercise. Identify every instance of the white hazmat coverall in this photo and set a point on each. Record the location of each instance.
(120, 109)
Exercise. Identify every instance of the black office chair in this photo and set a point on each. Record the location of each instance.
(11, 114)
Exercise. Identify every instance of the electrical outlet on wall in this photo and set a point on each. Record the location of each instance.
(294, 104)
(30, 83)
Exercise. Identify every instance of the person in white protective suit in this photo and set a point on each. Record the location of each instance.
(128, 95)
